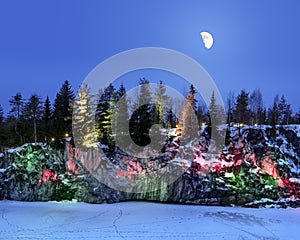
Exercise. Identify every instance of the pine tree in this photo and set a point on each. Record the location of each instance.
(62, 113)
(242, 113)
(188, 117)
(273, 113)
(160, 101)
(230, 107)
(296, 117)
(14, 119)
(192, 101)
(284, 111)
(142, 118)
(171, 119)
(217, 117)
(46, 122)
(105, 108)
(202, 113)
(32, 113)
(213, 111)
(121, 115)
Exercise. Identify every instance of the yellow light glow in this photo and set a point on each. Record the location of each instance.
(67, 135)
(203, 124)
(52, 139)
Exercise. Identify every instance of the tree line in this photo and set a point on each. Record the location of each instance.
(34, 120)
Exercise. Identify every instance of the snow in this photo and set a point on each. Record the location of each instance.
(20, 148)
(143, 220)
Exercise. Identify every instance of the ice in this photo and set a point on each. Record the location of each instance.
(144, 220)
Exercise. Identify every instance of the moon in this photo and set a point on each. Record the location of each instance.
(208, 39)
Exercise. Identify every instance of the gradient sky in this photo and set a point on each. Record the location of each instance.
(43, 43)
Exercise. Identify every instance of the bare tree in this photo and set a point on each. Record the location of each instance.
(256, 106)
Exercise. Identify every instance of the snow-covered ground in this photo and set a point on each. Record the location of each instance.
(144, 220)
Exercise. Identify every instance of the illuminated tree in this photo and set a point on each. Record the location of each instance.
(121, 112)
(83, 111)
(160, 101)
(104, 110)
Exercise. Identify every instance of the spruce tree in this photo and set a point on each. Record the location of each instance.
(62, 113)
(213, 110)
(142, 118)
(121, 112)
(32, 113)
(192, 101)
(284, 111)
(160, 101)
(83, 112)
(273, 113)
(242, 113)
(46, 123)
(105, 108)
(14, 120)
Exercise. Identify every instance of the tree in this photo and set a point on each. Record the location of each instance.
(105, 108)
(284, 111)
(121, 115)
(142, 118)
(14, 118)
(171, 119)
(296, 117)
(256, 107)
(230, 107)
(273, 112)
(188, 119)
(62, 113)
(83, 112)
(192, 101)
(32, 113)
(217, 116)
(241, 112)
(46, 121)
(16, 103)
(160, 101)
(202, 113)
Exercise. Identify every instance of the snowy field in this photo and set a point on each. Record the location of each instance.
(144, 220)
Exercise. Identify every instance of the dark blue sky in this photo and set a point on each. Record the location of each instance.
(42, 43)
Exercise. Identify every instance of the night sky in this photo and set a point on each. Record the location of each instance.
(43, 43)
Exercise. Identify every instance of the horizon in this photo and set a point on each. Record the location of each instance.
(255, 43)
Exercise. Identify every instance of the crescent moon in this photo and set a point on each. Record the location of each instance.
(207, 39)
